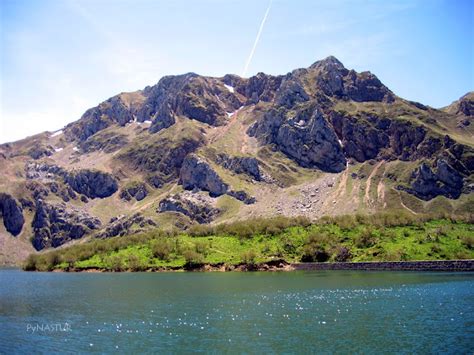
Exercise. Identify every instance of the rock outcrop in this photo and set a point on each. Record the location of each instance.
(368, 137)
(196, 173)
(40, 151)
(305, 137)
(194, 206)
(122, 225)
(11, 212)
(136, 190)
(119, 109)
(161, 158)
(242, 196)
(188, 95)
(108, 142)
(427, 183)
(92, 183)
(335, 80)
(290, 93)
(55, 224)
(240, 165)
(464, 106)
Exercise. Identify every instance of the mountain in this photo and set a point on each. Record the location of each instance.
(322, 140)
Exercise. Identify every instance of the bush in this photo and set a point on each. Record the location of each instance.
(30, 263)
(161, 249)
(312, 254)
(200, 230)
(248, 257)
(201, 247)
(366, 239)
(192, 258)
(51, 260)
(115, 263)
(468, 241)
(343, 254)
(288, 244)
(134, 263)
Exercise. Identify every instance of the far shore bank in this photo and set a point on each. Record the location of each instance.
(281, 265)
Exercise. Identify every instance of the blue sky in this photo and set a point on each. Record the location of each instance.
(60, 57)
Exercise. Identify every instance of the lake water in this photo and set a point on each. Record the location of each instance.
(286, 312)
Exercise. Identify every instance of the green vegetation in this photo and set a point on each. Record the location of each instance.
(380, 237)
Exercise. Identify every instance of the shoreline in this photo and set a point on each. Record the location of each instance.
(281, 265)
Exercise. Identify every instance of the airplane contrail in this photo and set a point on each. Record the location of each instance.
(249, 59)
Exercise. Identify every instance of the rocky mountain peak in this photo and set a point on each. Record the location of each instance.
(207, 149)
(330, 62)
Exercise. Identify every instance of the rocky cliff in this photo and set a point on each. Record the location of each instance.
(193, 149)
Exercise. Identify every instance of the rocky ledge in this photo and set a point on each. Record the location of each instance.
(122, 225)
(196, 206)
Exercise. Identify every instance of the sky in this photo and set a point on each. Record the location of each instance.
(61, 57)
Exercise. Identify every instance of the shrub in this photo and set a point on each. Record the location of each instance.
(288, 244)
(343, 254)
(51, 260)
(366, 239)
(70, 259)
(161, 249)
(468, 241)
(192, 258)
(115, 263)
(200, 230)
(201, 247)
(30, 263)
(317, 238)
(248, 257)
(313, 253)
(134, 263)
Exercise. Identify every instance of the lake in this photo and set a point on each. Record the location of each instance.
(261, 312)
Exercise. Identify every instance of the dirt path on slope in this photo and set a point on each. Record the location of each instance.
(403, 205)
(245, 140)
(219, 132)
(158, 198)
(381, 193)
(342, 187)
(368, 201)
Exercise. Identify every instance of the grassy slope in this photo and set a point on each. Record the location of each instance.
(375, 238)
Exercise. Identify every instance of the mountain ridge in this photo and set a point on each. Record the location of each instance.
(193, 149)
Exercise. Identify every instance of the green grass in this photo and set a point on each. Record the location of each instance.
(347, 238)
